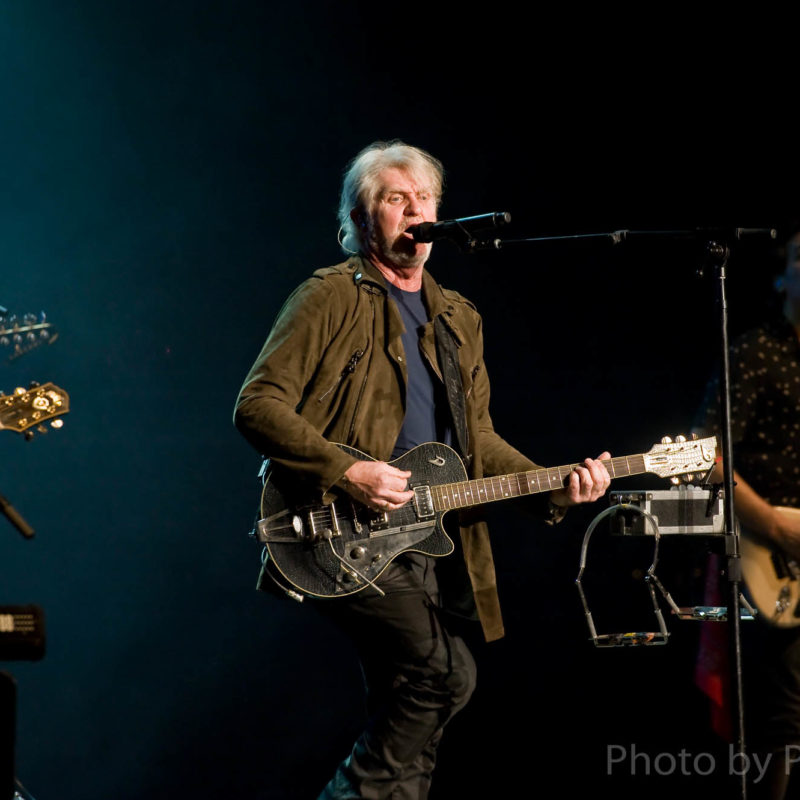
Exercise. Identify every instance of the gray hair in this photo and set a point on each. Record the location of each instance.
(359, 188)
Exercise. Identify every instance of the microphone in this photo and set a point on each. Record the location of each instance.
(461, 228)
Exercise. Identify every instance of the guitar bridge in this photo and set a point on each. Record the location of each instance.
(323, 523)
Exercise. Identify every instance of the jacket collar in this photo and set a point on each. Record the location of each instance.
(438, 304)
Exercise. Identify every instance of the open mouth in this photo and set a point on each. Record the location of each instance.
(408, 232)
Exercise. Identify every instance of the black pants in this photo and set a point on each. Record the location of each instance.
(417, 676)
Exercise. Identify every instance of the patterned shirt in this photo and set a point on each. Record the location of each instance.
(765, 410)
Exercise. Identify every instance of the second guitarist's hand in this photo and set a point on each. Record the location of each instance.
(377, 484)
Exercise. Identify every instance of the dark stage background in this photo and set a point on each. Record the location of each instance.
(170, 172)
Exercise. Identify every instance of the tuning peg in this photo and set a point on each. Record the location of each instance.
(34, 384)
(689, 477)
(680, 438)
(675, 479)
(57, 423)
(28, 435)
(666, 440)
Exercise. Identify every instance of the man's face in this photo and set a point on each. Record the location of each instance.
(399, 203)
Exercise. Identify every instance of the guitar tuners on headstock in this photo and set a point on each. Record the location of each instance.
(688, 477)
(42, 429)
(27, 409)
(23, 335)
(679, 439)
(682, 460)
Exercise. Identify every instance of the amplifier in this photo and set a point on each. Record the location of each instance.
(21, 633)
(682, 509)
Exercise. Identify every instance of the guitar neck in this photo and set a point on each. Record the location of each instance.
(447, 496)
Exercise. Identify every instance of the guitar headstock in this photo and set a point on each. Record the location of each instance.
(31, 408)
(682, 458)
(20, 336)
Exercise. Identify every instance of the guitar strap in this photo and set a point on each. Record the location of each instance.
(447, 352)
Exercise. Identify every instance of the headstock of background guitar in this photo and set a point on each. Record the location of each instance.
(21, 335)
(26, 410)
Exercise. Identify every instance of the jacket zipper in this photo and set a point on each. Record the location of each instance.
(349, 369)
(364, 382)
(475, 370)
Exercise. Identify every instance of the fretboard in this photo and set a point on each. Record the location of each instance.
(447, 496)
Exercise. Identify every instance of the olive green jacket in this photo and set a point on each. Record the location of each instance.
(333, 370)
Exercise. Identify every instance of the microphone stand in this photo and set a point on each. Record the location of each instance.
(718, 255)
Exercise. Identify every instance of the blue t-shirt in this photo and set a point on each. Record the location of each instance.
(425, 420)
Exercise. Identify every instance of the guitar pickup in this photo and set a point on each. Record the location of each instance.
(423, 502)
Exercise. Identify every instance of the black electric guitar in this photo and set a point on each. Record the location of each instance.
(772, 579)
(30, 408)
(341, 548)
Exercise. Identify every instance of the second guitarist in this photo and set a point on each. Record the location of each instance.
(374, 354)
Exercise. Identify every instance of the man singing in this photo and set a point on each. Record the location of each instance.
(375, 354)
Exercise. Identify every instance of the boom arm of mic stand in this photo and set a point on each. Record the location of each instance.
(616, 237)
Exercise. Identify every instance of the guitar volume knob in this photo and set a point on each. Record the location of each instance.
(358, 552)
